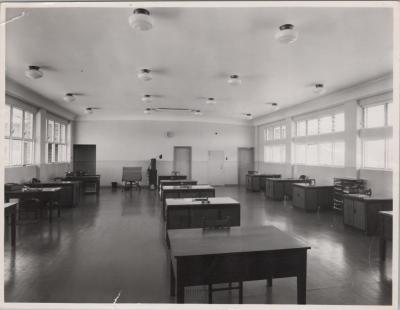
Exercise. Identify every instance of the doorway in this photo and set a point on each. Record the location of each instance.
(183, 160)
(216, 167)
(245, 163)
(84, 158)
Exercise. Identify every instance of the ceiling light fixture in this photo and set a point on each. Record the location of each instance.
(90, 110)
(286, 34)
(247, 115)
(211, 100)
(69, 97)
(234, 80)
(145, 75)
(147, 98)
(33, 72)
(319, 88)
(148, 111)
(141, 20)
(197, 112)
(274, 105)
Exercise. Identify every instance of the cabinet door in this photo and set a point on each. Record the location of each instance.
(359, 215)
(348, 212)
(233, 212)
(203, 212)
(177, 218)
(298, 197)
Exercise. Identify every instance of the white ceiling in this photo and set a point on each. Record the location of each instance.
(192, 51)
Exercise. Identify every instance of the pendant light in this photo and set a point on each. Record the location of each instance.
(141, 20)
(33, 72)
(286, 34)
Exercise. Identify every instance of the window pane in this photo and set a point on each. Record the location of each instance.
(283, 132)
(267, 154)
(390, 114)
(270, 134)
(283, 153)
(265, 134)
(300, 154)
(28, 152)
(50, 131)
(312, 154)
(7, 115)
(339, 122)
(312, 127)
(17, 123)
(6, 152)
(55, 152)
(277, 133)
(325, 124)
(374, 153)
(28, 125)
(276, 154)
(49, 153)
(57, 132)
(374, 116)
(301, 128)
(325, 153)
(389, 153)
(16, 152)
(338, 153)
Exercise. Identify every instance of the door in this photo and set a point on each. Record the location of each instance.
(84, 156)
(216, 167)
(183, 160)
(245, 163)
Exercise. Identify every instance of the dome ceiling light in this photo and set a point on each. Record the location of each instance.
(148, 111)
(211, 100)
(197, 112)
(319, 88)
(69, 97)
(90, 110)
(274, 105)
(141, 20)
(193, 111)
(247, 115)
(147, 98)
(234, 80)
(145, 75)
(33, 72)
(286, 34)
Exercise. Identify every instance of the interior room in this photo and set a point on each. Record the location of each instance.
(201, 154)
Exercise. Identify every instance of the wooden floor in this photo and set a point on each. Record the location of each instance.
(112, 249)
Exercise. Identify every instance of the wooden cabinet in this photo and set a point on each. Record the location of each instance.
(312, 197)
(361, 211)
(256, 182)
(278, 189)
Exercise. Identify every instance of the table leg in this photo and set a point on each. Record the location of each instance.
(301, 288)
(382, 248)
(180, 298)
(269, 282)
(210, 293)
(13, 226)
(240, 292)
(172, 280)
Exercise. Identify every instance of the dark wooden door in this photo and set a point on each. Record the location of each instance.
(85, 158)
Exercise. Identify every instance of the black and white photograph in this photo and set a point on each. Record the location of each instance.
(200, 153)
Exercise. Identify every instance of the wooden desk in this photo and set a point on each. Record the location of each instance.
(50, 196)
(86, 180)
(186, 191)
(385, 231)
(361, 211)
(189, 213)
(69, 194)
(235, 255)
(174, 183)
(256, 182)
(170, 177)
(10, 210)
(312, 197)
(278, 188)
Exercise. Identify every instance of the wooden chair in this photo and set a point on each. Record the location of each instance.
(219, 224)
(131, 176)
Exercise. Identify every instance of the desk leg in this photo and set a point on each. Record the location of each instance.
(240, 292)
(180, 298)
(301, 288)
(13, 226)
(97, 188)
(382, 248)
(269, 282)
(172, 280)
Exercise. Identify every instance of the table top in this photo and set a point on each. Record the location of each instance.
(287, 180)
(172, 175)
(186, 187)
(36, 190)
(267, 175)
(234, 240)
(308, 185)
(193, 201)
(176, 181)
(364, 197)
(386, 213)
(10, 204)
(55, 183)
(89, 176)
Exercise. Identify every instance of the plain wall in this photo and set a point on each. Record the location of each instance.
(135, 142)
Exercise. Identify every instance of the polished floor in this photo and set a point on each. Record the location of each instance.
(111, 249)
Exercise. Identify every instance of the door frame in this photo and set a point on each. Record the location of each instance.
(238, 161)
(190, 161)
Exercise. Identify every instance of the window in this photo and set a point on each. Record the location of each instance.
(56, 142)
(312, 127)
(339, 122)
(283, 132)
(312, 154)
(275, 153)
(390, 114)
(338, 153)
(300, 153)
(326, 153)
(374, 116)
(270, 134)
(325, 124)
(374, 154)
(277, 133)
(18, 148)
(301, 128)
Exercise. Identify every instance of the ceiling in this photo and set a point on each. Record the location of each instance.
(192, 51)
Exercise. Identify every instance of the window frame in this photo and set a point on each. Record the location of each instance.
(56, 144)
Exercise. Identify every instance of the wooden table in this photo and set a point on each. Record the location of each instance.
(256, 182)
(312, 197)
(174, 183)
(86, 180)
(186, 191)
(361, 211)
(70, 191)
(385, 231)
(170, 177)
(189, 212)
(10, 210)
(235, 255)
(279, 188)
(50, 196)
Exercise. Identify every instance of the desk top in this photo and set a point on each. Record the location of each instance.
(10, 204)
(36, 190)
(89, 176)
(55, 183)
(233, 240)
(193, 201)
(172, 175)
(176, 181)
(386, 213)
(287, 180)
(364, 197)
(265, 175)
(308, 185)
(186, 187)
